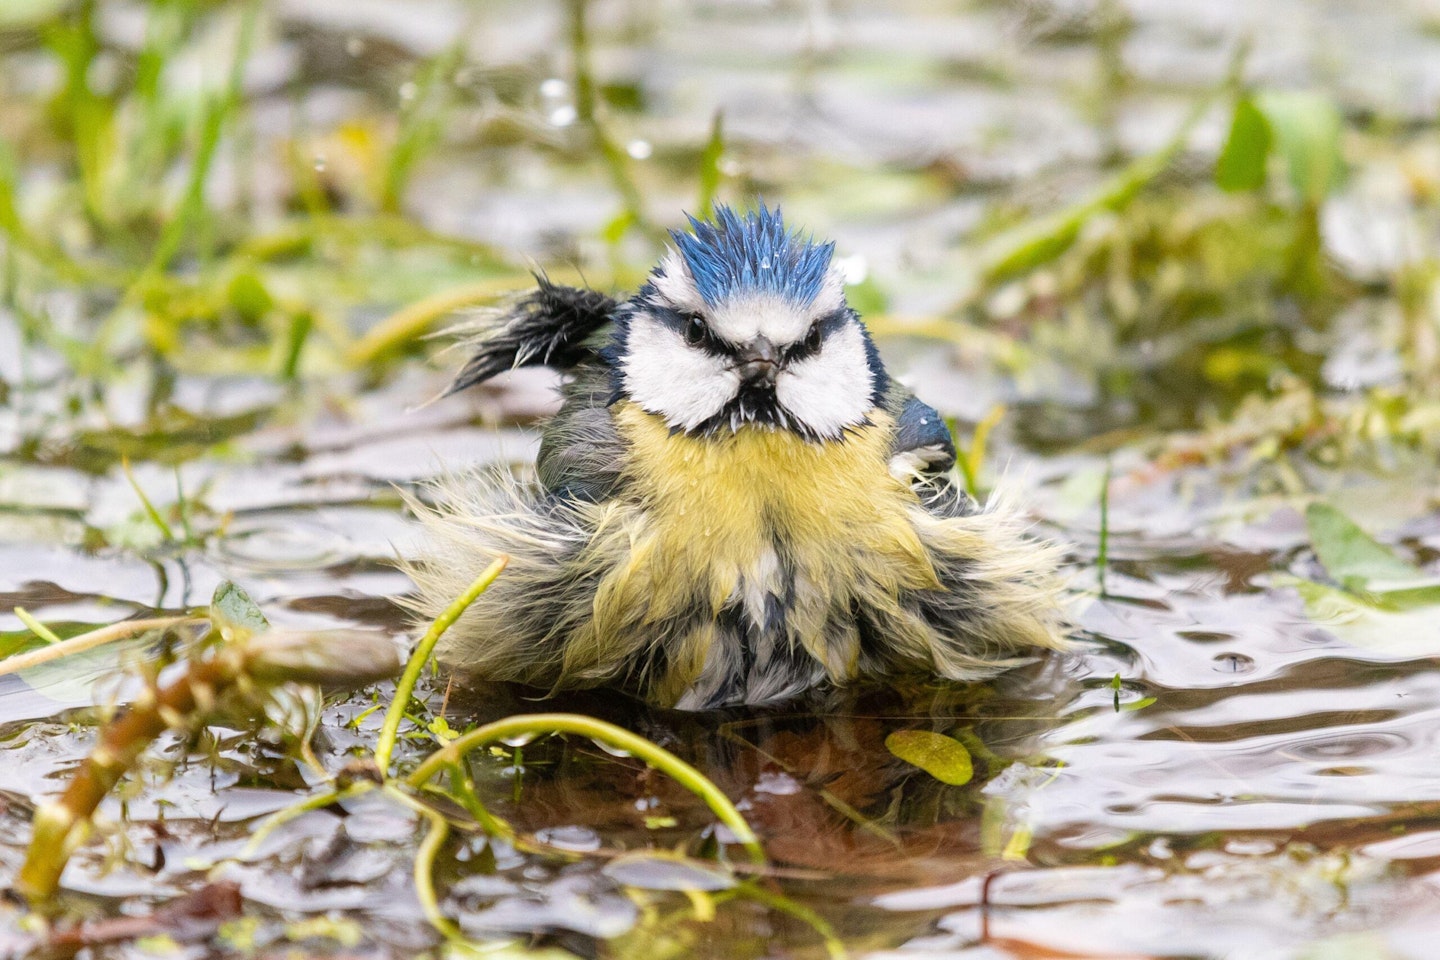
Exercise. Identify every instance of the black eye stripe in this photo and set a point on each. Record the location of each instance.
(680, 322)
(815, 335)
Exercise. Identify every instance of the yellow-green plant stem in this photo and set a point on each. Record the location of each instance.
(1102, 561)
(390, 731)
(607, 733)
(150, 511)
(89, 641)
(35, 626)
(464, 790)
(425, 874)
(62, 824)
(425, 860)
(971, 461)
(411, 322)
(318, 802)
(833, 947)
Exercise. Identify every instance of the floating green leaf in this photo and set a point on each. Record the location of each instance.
(1242, 162)
(234, 614)
(1402, 622)
(1306, 126)
(1349, 554)
(944, 758)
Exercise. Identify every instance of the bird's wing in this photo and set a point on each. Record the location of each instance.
(923, 454)
(551, 326)
(581, 453)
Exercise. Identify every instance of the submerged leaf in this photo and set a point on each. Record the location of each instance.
(1349, 554)
(657, 870)
(944, 758)
(234, 614)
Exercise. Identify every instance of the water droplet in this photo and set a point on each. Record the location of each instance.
(778, 784)
(1234, 663)
(1256, 847)
(554, 88)
(1349, 746)
(355, 46)
(408, 90)
(320, 164)
(517, 740)
(639, 149)
(562, 116)
(576, 838)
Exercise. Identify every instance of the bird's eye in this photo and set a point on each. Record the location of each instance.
(812, 337)
(695, 331)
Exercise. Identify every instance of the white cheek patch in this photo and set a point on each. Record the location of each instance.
(684, 385)
(831, 390)
(675, 285)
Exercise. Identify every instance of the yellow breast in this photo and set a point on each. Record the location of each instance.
(732, 517)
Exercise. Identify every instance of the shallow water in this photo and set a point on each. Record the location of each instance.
(1277, 799)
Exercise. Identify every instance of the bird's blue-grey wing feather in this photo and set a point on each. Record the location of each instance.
(924, 453)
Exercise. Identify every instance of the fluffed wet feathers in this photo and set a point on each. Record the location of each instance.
(664, 591)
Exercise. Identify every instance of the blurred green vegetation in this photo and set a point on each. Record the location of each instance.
(195, 234)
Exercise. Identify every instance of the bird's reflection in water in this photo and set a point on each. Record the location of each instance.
(813, 776)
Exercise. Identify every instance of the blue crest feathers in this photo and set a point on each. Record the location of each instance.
(752, 253)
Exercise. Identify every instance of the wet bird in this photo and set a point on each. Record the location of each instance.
(735, 502)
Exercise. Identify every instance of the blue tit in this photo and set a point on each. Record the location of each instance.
(735, 502)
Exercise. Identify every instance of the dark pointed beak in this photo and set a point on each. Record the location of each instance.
(759, 363)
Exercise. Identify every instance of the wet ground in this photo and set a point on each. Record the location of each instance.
(1232, 763)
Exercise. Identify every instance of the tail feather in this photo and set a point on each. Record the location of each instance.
(547, 327)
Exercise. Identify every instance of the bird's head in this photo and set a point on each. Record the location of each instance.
(743, 323)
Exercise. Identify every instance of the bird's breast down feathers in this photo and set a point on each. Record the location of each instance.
(734, 567)
(719, 507)
(765, 512)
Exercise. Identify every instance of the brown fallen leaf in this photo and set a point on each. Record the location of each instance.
(194, 915)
